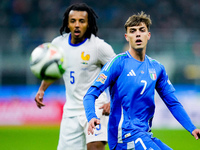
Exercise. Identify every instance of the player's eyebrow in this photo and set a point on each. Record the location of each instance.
(135, 28)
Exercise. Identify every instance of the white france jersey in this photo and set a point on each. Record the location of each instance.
(84, 62)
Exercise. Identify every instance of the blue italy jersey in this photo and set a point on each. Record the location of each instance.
(132, 85)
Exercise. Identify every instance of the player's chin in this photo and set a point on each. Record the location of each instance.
(77, 35)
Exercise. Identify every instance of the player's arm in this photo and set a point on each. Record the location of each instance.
(178, 112)
(39, 96)
(106, 109)
(105, 52)
(89, 105)
(106, 77)
(166, 92)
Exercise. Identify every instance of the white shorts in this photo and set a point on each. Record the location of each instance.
(73, 132)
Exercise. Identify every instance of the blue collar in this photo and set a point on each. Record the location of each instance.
(69, 41)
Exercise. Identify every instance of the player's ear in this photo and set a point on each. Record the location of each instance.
(126, 37)
(149, 35)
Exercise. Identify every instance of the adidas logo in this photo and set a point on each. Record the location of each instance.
(131, 73)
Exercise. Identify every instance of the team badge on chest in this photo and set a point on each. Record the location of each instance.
(152, 73)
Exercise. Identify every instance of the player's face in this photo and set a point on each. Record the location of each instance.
(138, 36)
(78, 24)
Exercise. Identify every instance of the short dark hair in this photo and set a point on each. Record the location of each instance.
(135, 20)
(92, 29)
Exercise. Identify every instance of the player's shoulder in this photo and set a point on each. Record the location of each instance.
(119, 58)
(117, 62)
(97, 40)
(60, 38)
(155, 62)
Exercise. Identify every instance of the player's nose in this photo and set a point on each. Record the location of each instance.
(77, 24)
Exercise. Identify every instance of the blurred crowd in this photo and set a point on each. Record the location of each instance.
(48, 13)
(24, 24)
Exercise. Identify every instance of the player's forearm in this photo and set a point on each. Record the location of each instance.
(89, 105)
(179, 112)
(44, 85)
(89, 102)
(183, 118)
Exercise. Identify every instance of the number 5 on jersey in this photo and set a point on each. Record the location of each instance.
(72, 78)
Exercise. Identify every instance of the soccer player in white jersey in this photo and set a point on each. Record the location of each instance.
(85, 55)
(132, 78)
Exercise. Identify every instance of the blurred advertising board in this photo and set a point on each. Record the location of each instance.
(17, 105)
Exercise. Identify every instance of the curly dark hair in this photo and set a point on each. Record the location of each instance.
(92, 29)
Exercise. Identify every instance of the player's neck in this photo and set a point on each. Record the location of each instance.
(138, 55)
(77, 40)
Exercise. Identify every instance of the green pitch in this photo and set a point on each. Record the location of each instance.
(46, 138)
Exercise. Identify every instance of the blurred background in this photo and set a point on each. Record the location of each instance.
(24, 24)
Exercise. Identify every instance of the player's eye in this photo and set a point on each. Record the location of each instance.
(72, 20)
(142, 30)
(132, 30)
(82, 21)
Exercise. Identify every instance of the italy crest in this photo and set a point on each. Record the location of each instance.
(152, 73)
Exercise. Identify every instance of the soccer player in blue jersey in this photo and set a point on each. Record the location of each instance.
(132, 78)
